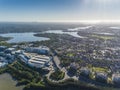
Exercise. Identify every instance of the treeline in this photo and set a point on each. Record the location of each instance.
(69, 84)
(3, 70)
(4, 38)
(33, 80)
(23, 74)
(15, 27)
(57, 75)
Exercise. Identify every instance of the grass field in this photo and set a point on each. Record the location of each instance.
(103, 37)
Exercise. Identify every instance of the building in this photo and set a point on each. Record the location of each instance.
(40, 50)
(3, 64)
(39, 61)
(101, 77)
(9, 50)
(2, 54)
(19, 52)
(2, 59)
(2, 48)
(74, 65)
(116, 79)
(37, 64)
(10, 57)
(23, 58)
(85, 72)
(35, 60)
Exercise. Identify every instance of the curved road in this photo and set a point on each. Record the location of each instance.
(57, 62)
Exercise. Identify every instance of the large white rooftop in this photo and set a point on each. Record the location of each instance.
(38, 62)
(42, 60)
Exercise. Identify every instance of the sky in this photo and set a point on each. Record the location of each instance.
(59, 10)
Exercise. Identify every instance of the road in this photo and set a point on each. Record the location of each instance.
(57, 64)
(57, 61)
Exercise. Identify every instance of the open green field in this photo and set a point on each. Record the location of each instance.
(103, 37)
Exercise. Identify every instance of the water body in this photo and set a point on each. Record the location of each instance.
(7, 83)
(79, 28)
(29, 37)
(104, 33)
(74, 34)
(23, 37)
(115, 27)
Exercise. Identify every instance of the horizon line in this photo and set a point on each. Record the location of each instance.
(65, 21)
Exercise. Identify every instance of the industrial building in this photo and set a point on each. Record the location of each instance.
(39, 61)
(35, 60)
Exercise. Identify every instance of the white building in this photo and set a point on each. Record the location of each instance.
(2, 64)
(39, 61)
(116, 78)
(36, 64)
(19, 52)
(9, 50)
(35, 60)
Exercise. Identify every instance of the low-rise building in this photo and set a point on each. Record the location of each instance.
(116, 79)
(2, 54)
(37, 64)
(2, 64)
(74, 65)
(85, 72)
(23, 58)
(39, 61)
(35, 60)
(9, 50)
(19, 52)
(2, 48)
(101, 77)
(10, 57)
